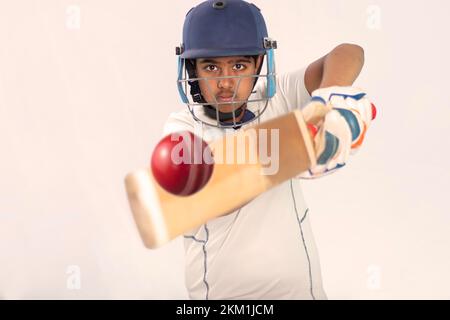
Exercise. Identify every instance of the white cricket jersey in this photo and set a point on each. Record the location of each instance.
(266, 249)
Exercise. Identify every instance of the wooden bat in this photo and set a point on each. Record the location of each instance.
(161, 216)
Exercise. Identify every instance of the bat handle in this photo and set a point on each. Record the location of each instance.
(315, 111)
(313, 114)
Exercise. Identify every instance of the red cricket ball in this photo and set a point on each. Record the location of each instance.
(182, 163)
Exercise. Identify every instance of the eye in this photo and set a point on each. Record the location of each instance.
(239, 66)
(211, 67)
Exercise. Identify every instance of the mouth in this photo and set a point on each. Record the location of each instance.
(225, 99)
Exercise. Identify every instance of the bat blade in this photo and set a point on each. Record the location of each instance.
(161, 216)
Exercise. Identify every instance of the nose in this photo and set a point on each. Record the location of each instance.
(227, 83)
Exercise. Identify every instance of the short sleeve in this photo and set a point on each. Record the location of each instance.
(292, 87)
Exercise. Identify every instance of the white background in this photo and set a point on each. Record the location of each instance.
(85, 87)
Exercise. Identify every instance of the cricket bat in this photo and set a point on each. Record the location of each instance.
(161, 216)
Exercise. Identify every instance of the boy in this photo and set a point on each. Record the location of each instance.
(265, 249)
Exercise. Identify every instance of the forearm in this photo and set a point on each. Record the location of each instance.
(342, 66)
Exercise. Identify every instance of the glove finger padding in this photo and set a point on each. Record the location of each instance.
(354, 106)
(331, 144)
(358, 114)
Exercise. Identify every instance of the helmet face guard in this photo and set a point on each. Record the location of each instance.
(222, 29)
(211, 113)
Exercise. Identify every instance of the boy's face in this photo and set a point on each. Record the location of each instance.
(223, 89)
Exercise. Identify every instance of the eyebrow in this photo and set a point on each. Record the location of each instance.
(213, 61)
